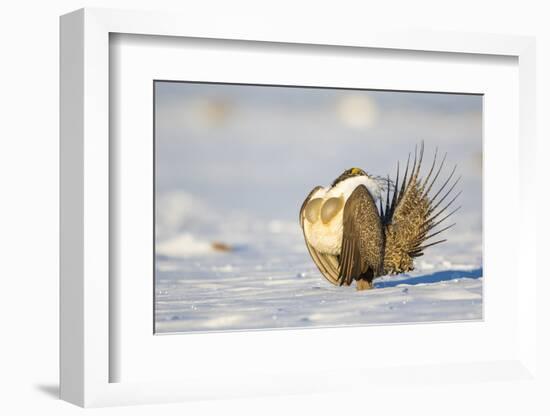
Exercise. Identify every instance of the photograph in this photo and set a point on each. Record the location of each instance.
(286, 207)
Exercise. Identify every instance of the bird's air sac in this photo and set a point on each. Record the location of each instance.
(312, 209)
(330, 208)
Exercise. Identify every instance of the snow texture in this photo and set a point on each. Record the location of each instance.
(233, 165)
(275, 284)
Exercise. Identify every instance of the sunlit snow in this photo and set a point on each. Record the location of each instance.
(233, 165)
(274, 284)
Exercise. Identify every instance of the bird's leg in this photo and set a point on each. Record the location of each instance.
(364, 284)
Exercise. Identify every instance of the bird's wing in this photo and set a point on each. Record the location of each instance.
(363, 238)
(412, 213)
(326, 263)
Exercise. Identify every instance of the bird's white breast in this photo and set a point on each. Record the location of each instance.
(327, 237)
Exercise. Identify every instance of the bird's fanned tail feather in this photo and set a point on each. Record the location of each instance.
(410, 214)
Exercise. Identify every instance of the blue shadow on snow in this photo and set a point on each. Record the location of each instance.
(441, 276)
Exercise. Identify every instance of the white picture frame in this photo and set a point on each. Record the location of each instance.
(87, 302)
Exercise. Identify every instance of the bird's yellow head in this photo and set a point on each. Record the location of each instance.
(349, 173)
(355, 172)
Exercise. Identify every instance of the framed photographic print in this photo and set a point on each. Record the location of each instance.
(268, 212)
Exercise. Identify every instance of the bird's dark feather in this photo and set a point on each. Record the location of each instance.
(410, 216)
(363, 239)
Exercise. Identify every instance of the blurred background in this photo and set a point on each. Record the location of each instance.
(235, 162)
(233, 166)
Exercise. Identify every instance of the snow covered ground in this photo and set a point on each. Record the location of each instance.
(275, 284)
(234, 164)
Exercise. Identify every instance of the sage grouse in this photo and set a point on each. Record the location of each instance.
(350, 238)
